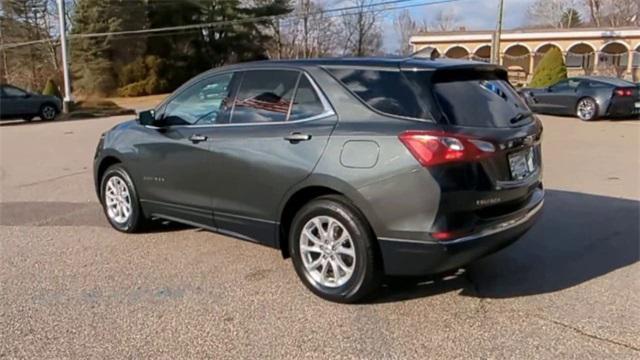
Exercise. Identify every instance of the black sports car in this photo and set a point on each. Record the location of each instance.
(587, 98)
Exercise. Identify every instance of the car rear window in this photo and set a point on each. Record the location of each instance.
(480, 100)
(386, 91)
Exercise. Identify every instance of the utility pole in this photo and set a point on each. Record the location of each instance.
(65, 62)
(495, 46)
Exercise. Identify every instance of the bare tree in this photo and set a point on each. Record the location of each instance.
(613, 13)
(594, 11)
(446, 20)
(405, 26)
(361, 33)
(24, 21)
(312, 33)
(552, 13)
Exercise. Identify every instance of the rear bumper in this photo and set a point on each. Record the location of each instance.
(623, 108)
(404, 257)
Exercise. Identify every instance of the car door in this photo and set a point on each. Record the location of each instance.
(174, 159)
(14, 101)
(559, 98)
(279, 126)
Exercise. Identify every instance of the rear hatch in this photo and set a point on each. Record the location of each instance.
(501, 180)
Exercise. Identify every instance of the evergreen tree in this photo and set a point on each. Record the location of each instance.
(571, 18)
(550, 70)
(96, 60)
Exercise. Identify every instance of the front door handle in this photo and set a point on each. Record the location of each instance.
(297, 137)
(196, 138)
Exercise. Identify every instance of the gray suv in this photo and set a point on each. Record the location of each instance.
(16, 103)
(354, 168)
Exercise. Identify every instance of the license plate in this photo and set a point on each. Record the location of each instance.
(522, 164)
(637, 104)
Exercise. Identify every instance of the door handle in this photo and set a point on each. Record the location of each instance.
(297, 137)
(196, 138)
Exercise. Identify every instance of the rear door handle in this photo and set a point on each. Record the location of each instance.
(297, 137)
(196, 138)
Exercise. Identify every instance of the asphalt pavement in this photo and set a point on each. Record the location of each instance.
(71, 287)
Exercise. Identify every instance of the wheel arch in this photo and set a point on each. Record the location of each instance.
(104, 164)
(312, 189)
(50, 103)
(599, 105)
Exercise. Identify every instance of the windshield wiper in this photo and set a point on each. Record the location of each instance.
(520, 117)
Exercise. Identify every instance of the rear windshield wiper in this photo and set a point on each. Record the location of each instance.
(520, 117)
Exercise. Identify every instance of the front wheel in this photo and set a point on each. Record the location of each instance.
(48, 112)
(333, 250)
(587, 109)
(120, 200)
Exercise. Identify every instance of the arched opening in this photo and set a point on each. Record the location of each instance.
(482, 53)
(581, 56)
(636, 64)
(540, 52)
(457, 52)
(517, 59)
(613, 59)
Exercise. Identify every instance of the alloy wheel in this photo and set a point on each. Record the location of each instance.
(327, 251)
(586, 109)
(117, 200)
(48, 112)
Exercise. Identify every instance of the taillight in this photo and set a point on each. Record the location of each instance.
(623, 92)
(432, 148)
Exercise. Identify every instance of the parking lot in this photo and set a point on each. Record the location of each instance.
(71, 287)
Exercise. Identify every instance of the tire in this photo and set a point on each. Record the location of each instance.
(117, 181)
(587, 109)
(336, 213)
(48, 112)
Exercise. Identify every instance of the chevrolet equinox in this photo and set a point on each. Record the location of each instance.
(354, 168)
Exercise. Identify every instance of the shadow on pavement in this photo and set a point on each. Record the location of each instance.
(37, 121)
(66, 214)
(579, 237)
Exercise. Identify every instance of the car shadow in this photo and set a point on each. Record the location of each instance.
(579, 237)
(37, 121)
(60, 213)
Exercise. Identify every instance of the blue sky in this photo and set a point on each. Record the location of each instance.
(474, 14)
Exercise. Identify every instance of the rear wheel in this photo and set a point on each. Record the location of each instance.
(48, 112)
(333, 250)
(587, 109)
(120, 200)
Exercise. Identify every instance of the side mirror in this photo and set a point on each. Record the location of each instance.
(26, 95)
(147, 118)
(549, 89)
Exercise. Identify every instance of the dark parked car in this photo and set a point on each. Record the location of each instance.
(587, 98)
(16, 103)
(355, 168)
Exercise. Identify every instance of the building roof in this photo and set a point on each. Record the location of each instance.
(530, 30)
(527, 34)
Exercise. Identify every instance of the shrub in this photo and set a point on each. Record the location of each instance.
(51, 89)
(550, 70)
(143, 76)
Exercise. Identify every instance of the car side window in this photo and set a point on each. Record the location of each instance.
(201, 104)
(11, 92)
(564, 85)
(306, 103)
(389, 92)
(597, 85)
(264, 96)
